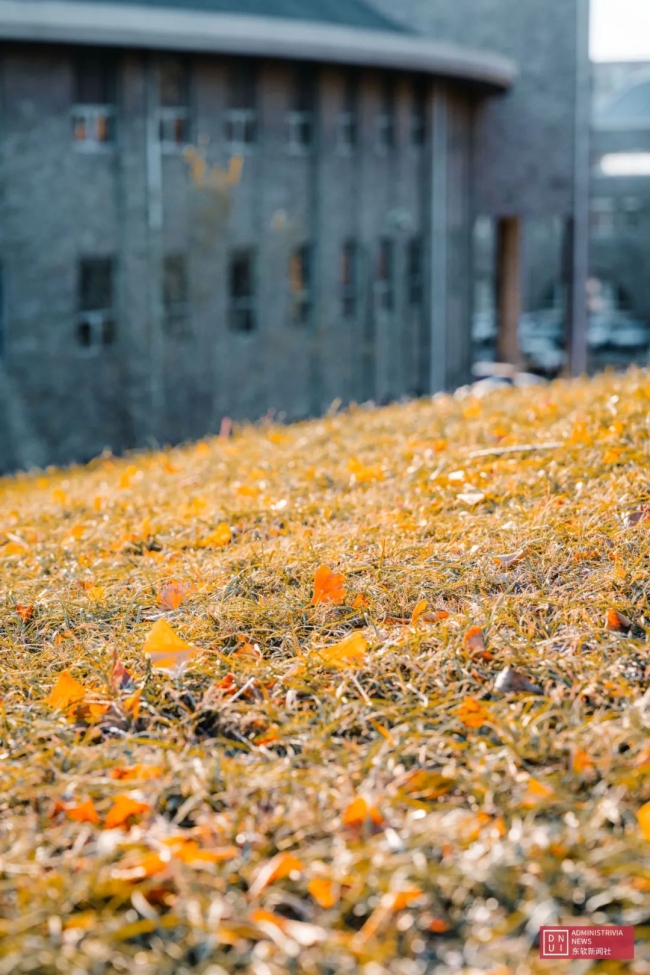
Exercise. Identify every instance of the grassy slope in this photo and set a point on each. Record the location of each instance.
(526, 814)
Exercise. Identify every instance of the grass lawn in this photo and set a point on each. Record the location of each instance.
(365, 694)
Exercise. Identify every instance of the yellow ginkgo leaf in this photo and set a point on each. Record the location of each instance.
(219, 537)
(166, 649)
(67, 693)
(643, 817)
(350, 652)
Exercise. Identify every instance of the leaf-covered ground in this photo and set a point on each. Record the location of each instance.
(366, 694)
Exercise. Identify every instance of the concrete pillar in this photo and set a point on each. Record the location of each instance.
(509, 276)
(438, 233)
(579, 224)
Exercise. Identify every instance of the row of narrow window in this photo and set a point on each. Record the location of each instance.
(94, 112)
(96, 289)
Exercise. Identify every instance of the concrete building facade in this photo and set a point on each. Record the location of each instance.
(214, 209)
(620, 213)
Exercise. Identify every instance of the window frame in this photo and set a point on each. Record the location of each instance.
(348, 123)
(92, 114)
(385, 283)
(242, 304)
(301, 300)
(242, 116)
(174, 114)
(177, 310)
(386, 120)
(100, 322)
(350, 255)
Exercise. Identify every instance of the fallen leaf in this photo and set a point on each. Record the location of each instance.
(472, 713)
(165, 649)
(438, 926)
(507, 561)
(350, 652)
(131, 705)
(616, 622)
(329, 587)
(25, 612)
(427, 784)
(643, 817)
(66, 694)
(85, 812)
(638, 517)
(120, 676)
(360, 601)
(139, 772)
(173, 594)
(360, 811)
(323, 892)
(398, 900)
(511, 681)
(124, 808)
(221, 536)
(471, 498)
(279, 867)
(536, 792)
(474, 639)
(581, 762)
(419, 611)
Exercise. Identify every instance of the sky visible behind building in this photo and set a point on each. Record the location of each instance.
(620, 30)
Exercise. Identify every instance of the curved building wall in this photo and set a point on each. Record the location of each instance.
(383, 234)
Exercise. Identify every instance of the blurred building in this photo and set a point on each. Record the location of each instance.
(619, 285)
(231, 207)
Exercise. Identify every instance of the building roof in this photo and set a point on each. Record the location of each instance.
(326, 31)
(347, 13)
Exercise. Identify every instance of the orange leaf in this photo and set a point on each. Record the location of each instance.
(438, 926)
(67, 693)
(131, 705)
(139, 772)
(472, 713)
(25, 612)
(85, 812)
(329, 587)
(360, 811)
(616, 622)
(400, 899)
(474, 639)
(360, 601)
(172, 595)
(643, 817)
(120, 676)
(123, 809)
(419, 610)
(165, 649)
(323, 892)
(190, 853)
(221, 536)
(537, 791)
(350, 652)
(278, 868)
(581, 762)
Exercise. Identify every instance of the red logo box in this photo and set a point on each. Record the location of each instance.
(575, 941)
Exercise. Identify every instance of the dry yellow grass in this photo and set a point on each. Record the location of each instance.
(334, 783)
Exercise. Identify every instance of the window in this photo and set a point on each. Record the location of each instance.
(95, 320)
(348, 138)
(386, 275)
(176, 296)
(174, 110)
(241, 115)
(415, 271)
(300, 276)
(418, 116)
(349, 278)
(602, 218)
(93, 114)
(300, 118)
(242, 292)
(386, 118)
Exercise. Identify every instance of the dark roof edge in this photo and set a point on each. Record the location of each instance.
(109, 24)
